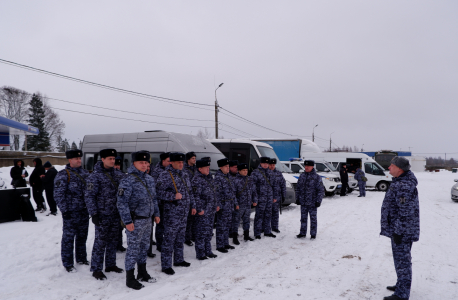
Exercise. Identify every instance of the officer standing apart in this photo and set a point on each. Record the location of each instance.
(227, 202)
(204, 192)
(101, 200)
(137, 204)
(280, 183)
(400, 221)
(159, 232)
(309, 194)
(264, 181)
(344, 179)
(190, 168)
(69, 188)
(360, 176)
(174, 189)
(246, 196)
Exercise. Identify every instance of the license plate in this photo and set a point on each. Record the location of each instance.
(339, 186)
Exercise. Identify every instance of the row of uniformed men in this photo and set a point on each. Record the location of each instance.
(108, 194)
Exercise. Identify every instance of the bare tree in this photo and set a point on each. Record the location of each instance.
(14, 105)
(204, 134)
(53, 124)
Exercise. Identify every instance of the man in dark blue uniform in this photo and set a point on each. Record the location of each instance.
(137, 204)
(190, 168)
(309, 195)
(400, 221)
(360, 176)
(117, 168)
(69, 187)
(280, 183)
(174, 189)
(204, 191)
(101, 200)
(235, 214)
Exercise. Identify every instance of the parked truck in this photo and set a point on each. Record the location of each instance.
(291, 148)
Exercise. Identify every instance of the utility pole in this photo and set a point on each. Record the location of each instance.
(362, 148)
(216, 112)
(25, 143)
(313, 133)
(330, 140)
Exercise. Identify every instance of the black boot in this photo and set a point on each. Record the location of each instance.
(143, 274)
(391, 288)
(235, 239)
(270, 235)
(121, 249)
(168, 271)
(392, 297)
(229, 247)
(114, 269)
(131, 281)
(222, 250)
(182, 264)
(258, 237)
(99, 275)
(246, 236)
(300, 236)
(231, 235)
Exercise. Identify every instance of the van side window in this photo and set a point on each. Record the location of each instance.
(155, 158)
(126, 161)
(254, 159)
(335, 164)
(320, 167)
(376, 170)
(368, 168)
(295, 168)
(89, 161)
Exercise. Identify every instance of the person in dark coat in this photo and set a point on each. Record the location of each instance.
(37, 184)
(48, 182)
(18, 174)
(190, 168)
(344, 179)
(400, 221)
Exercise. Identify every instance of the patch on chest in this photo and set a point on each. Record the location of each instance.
(90, 186)
(402, 200)
(121, 192)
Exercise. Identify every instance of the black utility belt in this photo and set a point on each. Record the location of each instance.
(227, 200)
(141, 218)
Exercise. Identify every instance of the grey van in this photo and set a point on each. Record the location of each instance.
(155, 142)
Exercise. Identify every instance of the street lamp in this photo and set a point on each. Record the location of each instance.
(216, 112)
(330, 141)
(362, 148)
(313, 133)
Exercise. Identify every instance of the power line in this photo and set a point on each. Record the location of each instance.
(120, 118)
(237, 129)
(158, 98)
(234, 133)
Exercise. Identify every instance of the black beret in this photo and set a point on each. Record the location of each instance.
(223, 162)
(141, 156)
(189, 155)
(309, 163)
(233, 163)
(176, 156)
(108, 152)
(273, 161)
(47, 165)
(206, 158)
(264, 160)
(164, 155)
(202, 163)
(242, 166)
(118, 160)
(74, 153)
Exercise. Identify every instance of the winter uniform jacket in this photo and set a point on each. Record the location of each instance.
(310, 189)
(69, 189)
(16, 174)
(134, 197)
(166, 190)
(359, 175)
(264, 181)
(204, 190)
(190, 170)
(401, 209)
(48, 180)
(343, 174)
(280, 183)
(225, 188)
(101, 192)
(157, 170)
(245, 191)
(35, 179)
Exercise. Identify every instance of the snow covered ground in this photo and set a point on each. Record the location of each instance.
(281, 268)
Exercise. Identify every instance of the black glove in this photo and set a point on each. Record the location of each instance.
(282, 200)
(96, 220)
(397, 238)
(298, 202)
(66, 215)
(317, 204)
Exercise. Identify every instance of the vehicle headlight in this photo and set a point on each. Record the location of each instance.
(288, 184)
(330, 179)
(456, 187)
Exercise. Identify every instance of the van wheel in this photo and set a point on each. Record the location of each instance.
(383, 186)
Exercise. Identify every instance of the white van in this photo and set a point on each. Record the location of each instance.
(249, 152)
(376, 175)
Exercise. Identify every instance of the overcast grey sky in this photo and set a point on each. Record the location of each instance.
(379, 73)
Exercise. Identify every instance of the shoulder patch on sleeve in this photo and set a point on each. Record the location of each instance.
(121, 192)
(90, 186)
(58, 183)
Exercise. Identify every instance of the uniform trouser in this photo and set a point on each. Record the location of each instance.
(275, 214)
(105, 242)
(174, 234)
(38, 197)
(403, 265)
(74, 235)
(263, 217)
(362, 188)
(159, 233)
(190, 234)
(138, 243)
(235, 221)
(50, 199)
(305, 211)
(243, 213)
(120, 229)
(223, 223)
(344, 188)
(204, 230)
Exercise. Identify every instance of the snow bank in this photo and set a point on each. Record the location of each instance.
(349, 260)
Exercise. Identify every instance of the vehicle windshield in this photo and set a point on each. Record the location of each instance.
(213, 156)
(330, 167)
(271, 153)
